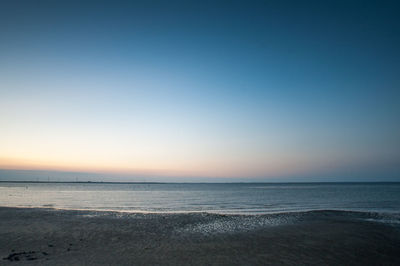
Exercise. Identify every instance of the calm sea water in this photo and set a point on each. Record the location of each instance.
(217, 198)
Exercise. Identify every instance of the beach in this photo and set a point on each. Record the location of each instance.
(34, 236)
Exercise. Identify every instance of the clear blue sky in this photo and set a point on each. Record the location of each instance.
(244, 90)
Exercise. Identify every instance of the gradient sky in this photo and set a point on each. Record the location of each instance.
(253, 90)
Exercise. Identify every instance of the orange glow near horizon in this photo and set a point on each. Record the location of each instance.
(205, 169)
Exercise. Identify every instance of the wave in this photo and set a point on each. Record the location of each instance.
(223, 213)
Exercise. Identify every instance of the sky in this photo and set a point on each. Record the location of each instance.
(200, 90)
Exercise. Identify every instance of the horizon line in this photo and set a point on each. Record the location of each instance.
(150, 182)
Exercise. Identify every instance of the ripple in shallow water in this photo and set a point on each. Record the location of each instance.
(234, 224)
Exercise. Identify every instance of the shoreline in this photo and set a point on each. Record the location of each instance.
(209, 212)
(65, 237)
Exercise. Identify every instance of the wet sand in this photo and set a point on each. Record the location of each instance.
(60, 237)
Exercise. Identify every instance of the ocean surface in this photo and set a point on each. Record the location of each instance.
(239, 198)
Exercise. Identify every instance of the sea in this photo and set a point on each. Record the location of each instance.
(221, 198)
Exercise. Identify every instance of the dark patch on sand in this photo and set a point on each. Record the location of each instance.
(24, 255)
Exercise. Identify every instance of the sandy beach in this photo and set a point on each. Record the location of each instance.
(60, 237)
